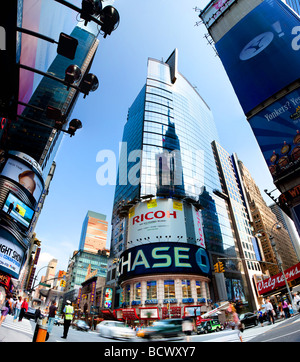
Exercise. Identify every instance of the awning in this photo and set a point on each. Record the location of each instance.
(108, 314)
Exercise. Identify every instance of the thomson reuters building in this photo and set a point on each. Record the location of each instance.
(168, 225)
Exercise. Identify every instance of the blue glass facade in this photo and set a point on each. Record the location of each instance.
(171, 127)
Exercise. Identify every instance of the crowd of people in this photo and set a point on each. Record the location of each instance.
(282, 309)
(17, 307)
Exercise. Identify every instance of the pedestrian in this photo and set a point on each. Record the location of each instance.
(285, 308)
(17, 308)
(260, 317)
(5, 309)
(68, 316)
(270, 311)
(187, 327)
(291, 310)
(296, 301)
(24, 308)
(37, 314)
(51, 316)
(233, 320)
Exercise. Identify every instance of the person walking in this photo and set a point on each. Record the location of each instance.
(296, 301)
(233, 320)
(51, 316)
(24, 308)
(68, 316)
(260, 317)
(17, 308)
(270, 311)
(285, 308)
(5, 309)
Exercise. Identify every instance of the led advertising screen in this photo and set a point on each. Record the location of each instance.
(277, 130)
(19, 211)
(19, 172)
(163, 257)
(261, 53)
(11, 257)
(157, 219)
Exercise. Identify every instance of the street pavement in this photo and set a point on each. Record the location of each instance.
(283, 330)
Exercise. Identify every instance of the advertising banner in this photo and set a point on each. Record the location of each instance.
(276, 129)
(277, 280)
(198, 227)
(11, 257)
(261, 52)
(19, 172)
(163, 257)
(157, 219)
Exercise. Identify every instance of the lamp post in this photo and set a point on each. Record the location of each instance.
(278, 258)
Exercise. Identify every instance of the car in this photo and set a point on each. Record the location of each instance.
(248, 319)
(209, 325)
(30, 314)
(162, 328)
(81, 325)
(114, 329)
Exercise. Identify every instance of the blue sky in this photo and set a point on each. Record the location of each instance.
(148, 28)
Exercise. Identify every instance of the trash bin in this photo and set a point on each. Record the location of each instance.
(40, 332)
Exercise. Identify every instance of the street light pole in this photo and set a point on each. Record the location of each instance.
(279, 262)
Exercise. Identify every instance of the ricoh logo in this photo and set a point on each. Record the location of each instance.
(153, 215)
(2, 38)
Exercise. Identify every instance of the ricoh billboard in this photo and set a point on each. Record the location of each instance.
(157, 220)
(162, 258)
(261, 53)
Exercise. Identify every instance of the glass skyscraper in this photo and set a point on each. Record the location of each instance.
(167, 154)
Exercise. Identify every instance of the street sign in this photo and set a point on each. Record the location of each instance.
(45, 285)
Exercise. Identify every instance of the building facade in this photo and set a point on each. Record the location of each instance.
(94, 232)
(264, 224)
(168, 225)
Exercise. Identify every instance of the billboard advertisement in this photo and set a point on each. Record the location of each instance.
(24, 175)
(276, 129)
(157, 219)
(199, 233)
(11, 257)
(261, 53)
(163, 257)
(19, 211)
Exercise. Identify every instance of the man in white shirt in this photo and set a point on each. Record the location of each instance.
(296, 301)
(270, 311)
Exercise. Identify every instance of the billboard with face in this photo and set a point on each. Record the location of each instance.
(261, 53)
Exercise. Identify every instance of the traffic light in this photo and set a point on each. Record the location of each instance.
(221, 267)
(62, 283)
(216, 268)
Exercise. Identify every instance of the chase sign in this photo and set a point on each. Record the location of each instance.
(166, 257)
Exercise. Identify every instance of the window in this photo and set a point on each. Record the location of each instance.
(198, 288)
(138, 291)
(186, 288)
(169, 289)
(151, 289)
(127, 294)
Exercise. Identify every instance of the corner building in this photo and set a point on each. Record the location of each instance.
(168, 225)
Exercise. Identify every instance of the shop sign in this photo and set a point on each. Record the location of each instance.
(276, 281)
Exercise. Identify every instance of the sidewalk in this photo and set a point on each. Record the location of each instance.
(11, 331)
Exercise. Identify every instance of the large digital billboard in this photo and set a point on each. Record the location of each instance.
(261, 53)
(157, 220)
(277, 130)
(163, 257)
(11, 257)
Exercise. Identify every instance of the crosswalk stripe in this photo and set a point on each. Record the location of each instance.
(23, 326)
